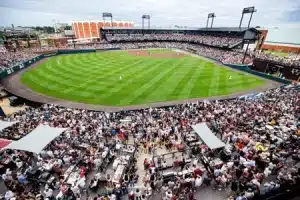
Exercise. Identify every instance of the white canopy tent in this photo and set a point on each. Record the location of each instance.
(5, 124)
(36, 140)
(207, 136)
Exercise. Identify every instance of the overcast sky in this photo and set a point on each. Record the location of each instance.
(192, 13)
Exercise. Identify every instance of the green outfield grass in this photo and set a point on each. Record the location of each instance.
(94, 78)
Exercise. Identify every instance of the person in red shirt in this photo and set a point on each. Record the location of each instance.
(174, 197)
(191, 195)
(146, 164)
(131, 196)
(82, 172)
(197, 172)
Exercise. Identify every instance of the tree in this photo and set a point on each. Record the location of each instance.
(48, 29)
(68, 27)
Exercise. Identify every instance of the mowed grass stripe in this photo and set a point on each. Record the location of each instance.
(81, 62)
(80, 67)
(182, 83)
(202, 84)
(133, 74)
(213, 89)
(94, 78)
(49, 80)
(103, 92)
(113, 72)
(173, 84)
(186, 91)
(142, 92)
(133, 83)
(62, 73)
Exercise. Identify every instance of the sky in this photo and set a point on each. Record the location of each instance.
(166, 13)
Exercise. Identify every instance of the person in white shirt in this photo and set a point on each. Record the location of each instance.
(97, 163)
(138, 193)
(118, 147)
(198, 182)
(81, 182)
(8, 174)
(104, 154)
(48, 193)
(169, 195)
(75, 189)
(67, 159)
(112, 196)
(4, 176)
(242, 160)
(164, 164)
(164, 190)
(50, 154)
(39, 163)
(9, 195)
(195, 161)
(267, 172)
(98, 176)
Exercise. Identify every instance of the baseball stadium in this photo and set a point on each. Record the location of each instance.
(158, 68)
(110, 110)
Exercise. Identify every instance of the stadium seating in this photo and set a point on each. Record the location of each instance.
(212, 40)
(260, 132)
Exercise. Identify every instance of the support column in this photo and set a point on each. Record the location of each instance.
(90, 30)
(83, 29)
(98, 35)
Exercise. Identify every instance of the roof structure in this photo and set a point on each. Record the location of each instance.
(216, 29)
(207, 136)
(228, 29)
(36, 140)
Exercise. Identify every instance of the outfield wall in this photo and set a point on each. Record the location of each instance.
(245, 68)
(47, 54)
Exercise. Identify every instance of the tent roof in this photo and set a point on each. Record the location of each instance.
(207, 136)
(5, 124)
(4, 143)
(36, 140)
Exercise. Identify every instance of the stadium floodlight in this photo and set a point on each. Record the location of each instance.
(109, 15)
(147, 17)
(247, 11)
(210, 15)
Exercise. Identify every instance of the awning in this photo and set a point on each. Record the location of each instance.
(36, 140)
(5, 124)
(207, 136)
(4, 143)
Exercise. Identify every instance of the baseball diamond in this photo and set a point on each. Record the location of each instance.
(133, 77)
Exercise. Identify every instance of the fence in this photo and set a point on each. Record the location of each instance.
(263, 75)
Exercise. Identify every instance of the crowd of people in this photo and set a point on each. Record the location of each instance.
(9, 59)
(289, 60)
(211, 40)
(260, 133)
(221, 55)
(207, 39)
